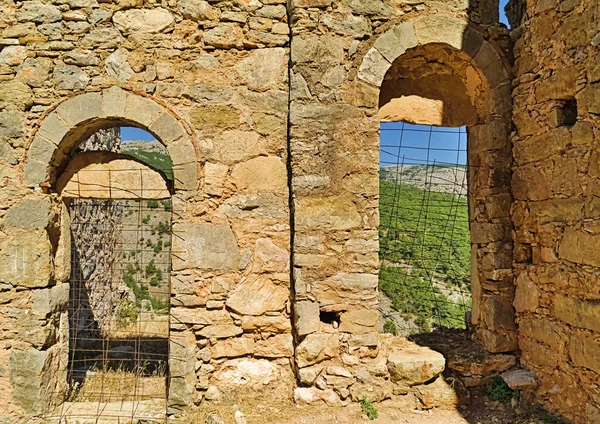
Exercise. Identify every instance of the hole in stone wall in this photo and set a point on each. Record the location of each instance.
(330, 318)
(567, 115)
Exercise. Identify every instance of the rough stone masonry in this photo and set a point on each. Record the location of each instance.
(270, 113)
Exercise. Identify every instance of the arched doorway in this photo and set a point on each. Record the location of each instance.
(128, 192)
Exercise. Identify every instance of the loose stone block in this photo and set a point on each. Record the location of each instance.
(204, 246)
(519, 380)
(415, 365)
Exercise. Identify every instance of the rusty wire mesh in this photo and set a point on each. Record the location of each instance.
(424, 226)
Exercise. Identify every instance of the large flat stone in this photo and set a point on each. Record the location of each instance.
(134, 21)
(415, 365)
(204, 246)
(30, 213)
(258, 296)
(25, 258)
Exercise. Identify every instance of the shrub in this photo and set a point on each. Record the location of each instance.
(390, 327)
(498, 390)
(368, 409)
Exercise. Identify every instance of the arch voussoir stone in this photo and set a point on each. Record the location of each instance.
(60, 129)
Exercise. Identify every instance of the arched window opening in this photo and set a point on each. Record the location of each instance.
(117, 191)
(428, 99)
(424, 227)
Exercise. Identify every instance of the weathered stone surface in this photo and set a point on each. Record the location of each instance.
(260, 175)
(306, 317)
(577, 312)
(11, 123)
(263, 69)
(340, 291)
(373, 68)
(36, 11)
(316, 348)
(235, 146)
(13, 55)
(205, 246)
(70, 78)
(311, 395)
(135, 21)
(197, 10)
(117, 67)
(266, 323)
(26, 373)
(257, 296)
(415, 365)
(359, 321)
(15, 95)
(268, 257)
(338, 213)
(232, 348)
(312, 48)
(527, 294)
(224, 36)
(278, 346)
(438, 394)
(519, 380)
(579, 247)
(48, 301)
(30, 213)
(247, 372)
(25, 258)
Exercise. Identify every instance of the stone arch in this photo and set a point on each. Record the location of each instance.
(80, 116)
(489, 156)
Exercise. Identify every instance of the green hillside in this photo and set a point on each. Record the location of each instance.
(425, 254)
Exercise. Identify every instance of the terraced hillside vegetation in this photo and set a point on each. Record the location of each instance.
(425, 249)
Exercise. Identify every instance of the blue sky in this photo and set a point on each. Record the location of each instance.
(502, 15)
(418, 144)
(131, 133)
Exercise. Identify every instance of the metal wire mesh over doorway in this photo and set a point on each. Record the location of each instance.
(424, 228)
(119, 308)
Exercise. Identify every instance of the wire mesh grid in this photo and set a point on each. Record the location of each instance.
(118, 310)
(424, 224)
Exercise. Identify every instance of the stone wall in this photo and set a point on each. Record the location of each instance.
(210, 80)
(275, 244)
(555, 210)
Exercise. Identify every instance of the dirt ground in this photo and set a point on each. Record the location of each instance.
(480, 411)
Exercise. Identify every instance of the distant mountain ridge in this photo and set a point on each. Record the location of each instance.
(152, 153)
(439, 178)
